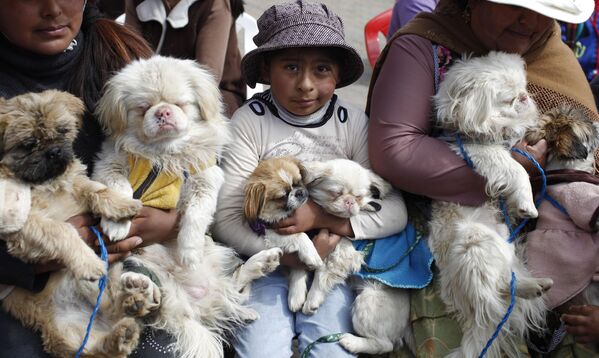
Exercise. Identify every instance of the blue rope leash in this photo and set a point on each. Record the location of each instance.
(505, 317)
(101, 286)
(513, 233)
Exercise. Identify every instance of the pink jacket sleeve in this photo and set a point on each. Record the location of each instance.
(399, 142)
(581, 201)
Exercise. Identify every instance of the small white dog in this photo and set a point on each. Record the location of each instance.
(342, 188)
(165, 127)
(485, 101)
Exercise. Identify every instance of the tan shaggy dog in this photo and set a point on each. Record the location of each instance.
(37, 131)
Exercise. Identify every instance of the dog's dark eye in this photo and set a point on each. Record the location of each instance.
(62, 130)
(28, 144)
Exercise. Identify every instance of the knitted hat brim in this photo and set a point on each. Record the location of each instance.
(350, 69)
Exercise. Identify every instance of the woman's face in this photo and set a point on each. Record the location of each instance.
(507, 28)
(45, 27)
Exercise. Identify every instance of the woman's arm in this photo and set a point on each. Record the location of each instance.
(399, 142)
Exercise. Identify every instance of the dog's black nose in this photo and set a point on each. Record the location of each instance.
(53, 152)
(300, 193)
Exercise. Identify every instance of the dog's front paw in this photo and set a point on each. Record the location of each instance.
(115, 230)
(313, 301)
(120, 207)
(140, 295)
(351, 343)
(123, 339)
(526, 209)
(296, 300)
(533, 287)
(90, 269)
(263, 263)
(249, 315)
(190, 257)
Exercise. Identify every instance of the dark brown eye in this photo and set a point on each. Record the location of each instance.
(62, 130)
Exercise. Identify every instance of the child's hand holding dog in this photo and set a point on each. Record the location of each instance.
(311, 216)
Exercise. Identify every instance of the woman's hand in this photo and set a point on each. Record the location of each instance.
(538, 151)
(116, 251)
(583, 323)
(325, 242)
(155, 225)
(311, 216)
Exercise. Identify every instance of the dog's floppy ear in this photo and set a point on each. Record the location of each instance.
(313, 172)
(255, 198)
(208, 96)
(379, 188)
(73, 104)
(111, 110)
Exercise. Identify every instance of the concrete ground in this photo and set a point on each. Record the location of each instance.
(355, 15)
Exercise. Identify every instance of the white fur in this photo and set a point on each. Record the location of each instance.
(201, 297)
(380, 314)
(485, 100)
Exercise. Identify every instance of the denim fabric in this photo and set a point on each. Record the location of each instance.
(271, 335)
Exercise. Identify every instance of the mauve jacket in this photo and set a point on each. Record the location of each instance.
(566, 247)
(207, 36)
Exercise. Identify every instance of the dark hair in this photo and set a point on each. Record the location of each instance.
(107, 47)
(237, 8)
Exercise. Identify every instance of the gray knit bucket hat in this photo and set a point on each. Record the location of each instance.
(300, 24)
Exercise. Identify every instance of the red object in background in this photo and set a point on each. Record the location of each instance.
(378, 24)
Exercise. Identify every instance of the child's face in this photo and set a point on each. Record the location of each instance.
(302, 80)
(43, 27)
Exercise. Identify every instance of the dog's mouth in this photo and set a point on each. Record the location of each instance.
(42, 166)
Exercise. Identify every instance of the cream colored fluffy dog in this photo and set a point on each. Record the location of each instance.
(278, 186)
(485, 101)
(38, 130)
(165, 127)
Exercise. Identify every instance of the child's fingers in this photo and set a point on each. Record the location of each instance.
(577, 330)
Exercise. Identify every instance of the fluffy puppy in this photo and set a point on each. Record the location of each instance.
(484, 100)
(342, 188)
(37, 131)
(572, 139)
(165, 126)
(272, 193)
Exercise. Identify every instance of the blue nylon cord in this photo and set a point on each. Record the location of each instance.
(505, 317)
(101, 286)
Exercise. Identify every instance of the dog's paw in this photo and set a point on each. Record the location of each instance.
(115, 230)
(249, 315)
(90, 269)
(312, 261)
(527, 210)
(190, 257)
(533, 287)
(351, 343)
(296, 300)
(140, 295)
(123, 339)
(120, 207)
(263, 263)
(313, 301)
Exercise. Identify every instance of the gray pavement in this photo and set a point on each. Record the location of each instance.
(355, 15)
